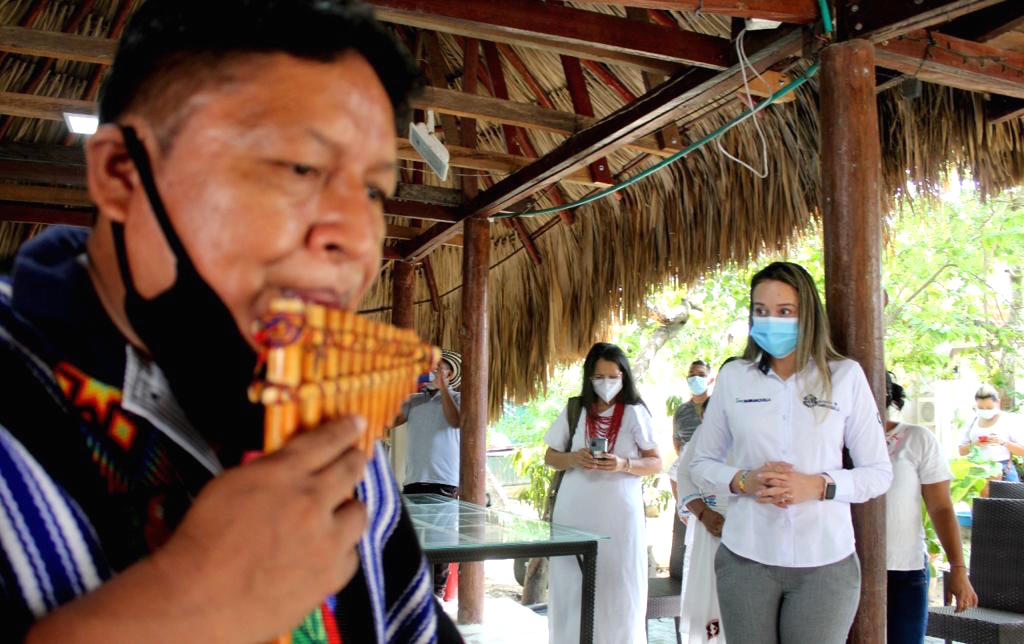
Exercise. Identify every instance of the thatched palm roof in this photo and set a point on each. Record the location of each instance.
(701, 212)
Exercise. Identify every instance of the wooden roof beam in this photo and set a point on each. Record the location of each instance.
(576, 82)
(987, 24)
(963, 64)
(575, 32)
(647, 114)
(669, 136)
(795, 11)
(47, 215)
(55, 174)
(882, 20)
(445, 101)
(528, 115)
(488, 161)
(55, 44)
(72, 207)
(1002, 109)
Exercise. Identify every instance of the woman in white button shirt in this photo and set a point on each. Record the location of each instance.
(997, 434)
(787, 571)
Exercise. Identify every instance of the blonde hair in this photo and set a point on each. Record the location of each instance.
(814, 341)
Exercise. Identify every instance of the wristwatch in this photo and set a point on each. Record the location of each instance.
(830, 488)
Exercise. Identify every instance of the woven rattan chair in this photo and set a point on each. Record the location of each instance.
(1005, 490)
(997, 574)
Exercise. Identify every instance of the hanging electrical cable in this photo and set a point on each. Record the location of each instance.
(746, 114)
(741, 56)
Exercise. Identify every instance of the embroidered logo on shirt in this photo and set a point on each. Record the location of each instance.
(811, 401)
(753, 400)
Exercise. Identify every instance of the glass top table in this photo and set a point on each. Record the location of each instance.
(450, 530)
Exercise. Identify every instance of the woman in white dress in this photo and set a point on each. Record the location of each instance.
(601, 494)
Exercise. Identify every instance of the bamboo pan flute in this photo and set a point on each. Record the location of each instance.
(323, 363)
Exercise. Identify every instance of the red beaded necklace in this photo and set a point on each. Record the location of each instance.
(605, 426)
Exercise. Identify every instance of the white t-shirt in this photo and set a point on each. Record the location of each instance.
(916, 461)
(433, 453)
(1007, 427)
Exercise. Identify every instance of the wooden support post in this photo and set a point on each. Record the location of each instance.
(474, 334)
(475, 359)
(403, 294)
(851, 178)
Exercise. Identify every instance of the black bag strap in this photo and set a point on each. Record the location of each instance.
(574, 409)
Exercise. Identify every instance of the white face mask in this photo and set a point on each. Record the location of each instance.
(895, 415)
(986, 414)
(607, 388)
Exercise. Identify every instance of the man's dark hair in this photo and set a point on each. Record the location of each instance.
(700, 363)
(169, 40)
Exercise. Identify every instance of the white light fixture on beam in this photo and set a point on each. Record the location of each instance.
(82, 123)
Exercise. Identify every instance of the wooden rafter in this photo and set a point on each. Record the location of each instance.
(487, 160)
(1002, 109)
(639, 118)
(580, 95)
(882, 20)
(55, 44)
(47, 215)
(987, 24)
(507, 112)
(668, 136)
(795, 11)
(72, 207)
(945, 60)
(55, 174)
(575, 32)
(500, 90)
(428, 276)
(444, 101)
(437, 72)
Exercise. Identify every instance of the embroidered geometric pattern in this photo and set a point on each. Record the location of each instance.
(125, 460)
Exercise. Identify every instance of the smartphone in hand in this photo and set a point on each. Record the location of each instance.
(598, 447)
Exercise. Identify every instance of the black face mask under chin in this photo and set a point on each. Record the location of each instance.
(193, 338)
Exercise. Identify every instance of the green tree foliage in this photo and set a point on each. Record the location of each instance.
(952, 271)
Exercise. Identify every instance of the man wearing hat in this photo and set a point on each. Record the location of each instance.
(432, 461)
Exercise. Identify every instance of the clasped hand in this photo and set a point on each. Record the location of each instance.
(777, 483)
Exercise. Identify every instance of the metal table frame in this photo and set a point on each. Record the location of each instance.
(585, 551)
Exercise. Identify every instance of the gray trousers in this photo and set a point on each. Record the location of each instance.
(775, 605)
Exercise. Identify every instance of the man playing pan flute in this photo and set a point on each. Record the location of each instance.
(244, 152)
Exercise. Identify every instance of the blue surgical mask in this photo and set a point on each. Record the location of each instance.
(777, 336)
(698, 385)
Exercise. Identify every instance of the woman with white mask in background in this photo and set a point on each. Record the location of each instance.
(600, 493)
(773, 437)
(998, 434)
